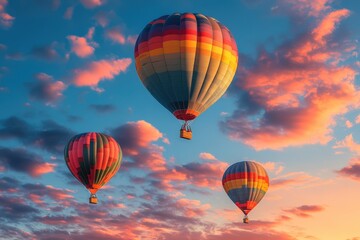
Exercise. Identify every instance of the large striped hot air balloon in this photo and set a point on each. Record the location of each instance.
(93, 158)
(186, 61)
(246, 184)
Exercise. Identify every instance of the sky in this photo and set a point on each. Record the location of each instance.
(67, 67)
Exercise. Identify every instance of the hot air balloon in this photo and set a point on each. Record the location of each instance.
(246, 184)
(93, 158)
(186, 61)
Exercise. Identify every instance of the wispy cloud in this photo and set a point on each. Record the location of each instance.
(310, 8)
(69, 13)
(46, 89)
(46, 52)
(135, 139)
(207, 156)
(83, 46)
(49, 136)
(117, 36)
(98, 71)
(305, 211)
(103, 18)
(348, 143)
(103, 108)
(92, 3)
(284, 98)
(352, 170)
(20, 160)
(293, 179)
(6, 20)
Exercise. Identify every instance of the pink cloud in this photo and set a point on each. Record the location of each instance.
(203, 175)
(166, 140)
(80, 46)
(20, 160)
(135, 139)
(311, 8)
(3, 4)
(196, 210)
(273, 167)
(327, 25)
(43, 169)
(351, 171)
(92, 3)
(90, 33)
(60, 220)
(357, 120)
(135, 135)
(102, 18)
(46, 89)
(305, 211)
(6, 20)
(293, 179)
(116, 35)
(285, 98)
(348, 124)
(130, 196)
(253, 231)
(69, 13)
(348, 143)
(207, 156)
(36, 199)
(132, 39)
(98, 71)
(38, 193)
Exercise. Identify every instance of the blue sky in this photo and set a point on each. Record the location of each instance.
(292, 106)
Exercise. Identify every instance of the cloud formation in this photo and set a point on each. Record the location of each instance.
(46, 52)
(284, 99)
(98, 71)
(49, 136)
(117, 36)
(69, 13)
(351, 171)
(310, 8)
(92, 3)
(305, 211)
(292, 179)
(6, 20)
(349, 144)
(103, 108)
(135, 139)
(207, 156)
(46, 89)
(20, 160)
(80, 46)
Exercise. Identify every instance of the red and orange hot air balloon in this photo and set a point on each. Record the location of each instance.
(93, 158)
(246, 184)
(186, 61)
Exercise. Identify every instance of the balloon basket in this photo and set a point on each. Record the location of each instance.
(185, 131)
(185, 134)
(246, 220)
(93, 199)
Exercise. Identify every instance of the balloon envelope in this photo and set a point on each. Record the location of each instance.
(246, 184)
(93, 158)
(186, 61)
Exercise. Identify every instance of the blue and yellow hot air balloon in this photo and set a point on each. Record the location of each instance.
(246, 184)
(186, 61)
